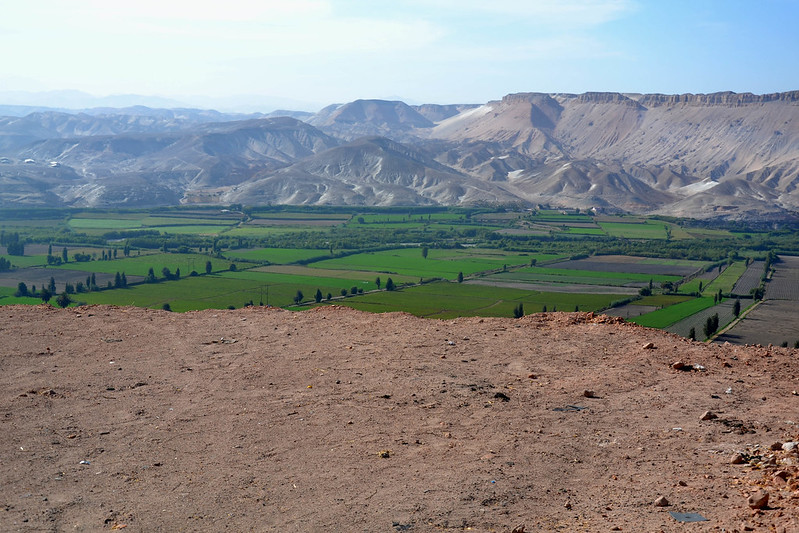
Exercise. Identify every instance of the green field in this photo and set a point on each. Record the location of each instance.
(662, 300)
(666, 317)
(648, 230)
(277, 256)
(589, 277)
(138, 266)
(726, 280)
(308, 272)
(440, 263)
(448, 300)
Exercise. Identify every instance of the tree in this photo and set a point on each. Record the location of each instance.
(51, 285)
(63, 300)
(208, 267)
(353, 290)
(232, 267)
(166, 273)
(692, 334)
(69, 288)
(344, 292)
(700, 285)
(390, 284)
(118, 281)
(576, 308)
(378, 282)
(298, 297)
(177, 273)
(22, 289)
(544, 309)
(94, 282)
(318, 296)
(518, 311)
(5, 264)
(150, 277)
(329, 296)
(64, 256)
(166, 307)
(460, 277)
(45, 294)
(424, 252)
(736, 307)
(533, 261)
(15, 248)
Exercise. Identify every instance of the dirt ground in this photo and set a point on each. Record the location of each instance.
(336, 420)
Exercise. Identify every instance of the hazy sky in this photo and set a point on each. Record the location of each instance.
(443, 51)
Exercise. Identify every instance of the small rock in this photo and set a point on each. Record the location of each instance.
(781, 475)
(662, 502)
(589, 393)
(758, 500)
(775, 446)
(678, 365)
(790, 446)
(385, 454)
(649, 346)
(737, 459)
(747, 527)
(708, 415)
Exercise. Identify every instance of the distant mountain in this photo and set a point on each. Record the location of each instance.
(724, 155)
(159, 168)
(360, 118)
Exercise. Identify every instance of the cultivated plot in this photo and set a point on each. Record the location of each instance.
(750, 279)
(771, 322)
(633, 265)
(784, 284)
(698, 320)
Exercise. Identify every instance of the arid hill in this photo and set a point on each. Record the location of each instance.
(723, 155)
(335, 420)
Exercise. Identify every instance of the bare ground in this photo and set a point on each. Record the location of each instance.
(336, 420)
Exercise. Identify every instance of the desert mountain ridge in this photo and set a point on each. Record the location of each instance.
(721, 155)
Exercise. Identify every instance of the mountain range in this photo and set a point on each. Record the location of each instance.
(721, 155)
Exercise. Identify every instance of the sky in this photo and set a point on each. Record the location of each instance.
(305, 54)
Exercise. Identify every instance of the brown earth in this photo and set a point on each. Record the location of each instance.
(336, 420)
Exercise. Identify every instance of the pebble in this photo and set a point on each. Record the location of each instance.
(649, 346)
(790, 446)
(758, 500)
(589, 393)
(708, 415)
(737, 459)
(661, 502)
(678, 365)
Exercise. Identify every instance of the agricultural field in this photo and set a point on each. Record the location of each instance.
(276, 256)
(698, 320)
(771, 322)
(139, 265)
(449, 300)
(725, 281)
(268, 254)
(440, 263)
(647, 230)
(784, 284)
(663, 318)
(573, 276)
(633, 265)
(750, 279)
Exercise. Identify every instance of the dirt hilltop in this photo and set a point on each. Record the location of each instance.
(335, 420)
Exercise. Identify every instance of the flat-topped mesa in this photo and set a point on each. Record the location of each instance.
(530, 98)
(727, 98)
(606, 98)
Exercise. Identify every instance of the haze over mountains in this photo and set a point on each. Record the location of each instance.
(722, 155)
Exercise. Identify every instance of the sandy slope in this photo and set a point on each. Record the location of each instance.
(336, 420)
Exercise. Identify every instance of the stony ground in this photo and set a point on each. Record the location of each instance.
(335, 420)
